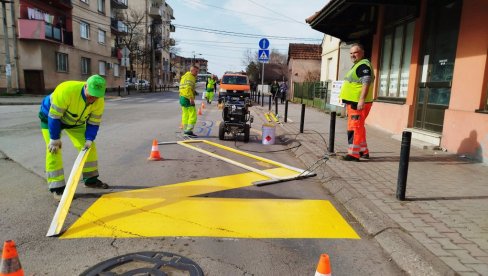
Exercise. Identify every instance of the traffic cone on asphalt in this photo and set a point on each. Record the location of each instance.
(199, 111)
(155, 156)
(181, 126)
(203, 105)
(323, 267)
(10, 264)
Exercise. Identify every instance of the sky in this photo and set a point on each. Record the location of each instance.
(222, 31)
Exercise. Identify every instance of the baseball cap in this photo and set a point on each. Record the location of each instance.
(96, 86)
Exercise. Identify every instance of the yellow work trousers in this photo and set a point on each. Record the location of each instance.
(210, 96)
(54, 161)
(188, 117)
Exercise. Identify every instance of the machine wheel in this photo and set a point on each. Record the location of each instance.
(221, 131)
(247, 130)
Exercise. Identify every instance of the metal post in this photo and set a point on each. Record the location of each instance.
(302, 118)
(7, 49)
(153, 59)
(262, 100)
(403, 167)
(332, 131)
(276, 107)
(259, 97)
(286, 111)
(119, 90)
(269, 102)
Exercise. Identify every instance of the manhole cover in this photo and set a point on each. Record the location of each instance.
(146, 263)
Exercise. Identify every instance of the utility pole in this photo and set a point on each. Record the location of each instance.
(14, 36)
(8, 69)
(151, 34)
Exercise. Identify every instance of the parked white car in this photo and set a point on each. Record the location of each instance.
(142, 84)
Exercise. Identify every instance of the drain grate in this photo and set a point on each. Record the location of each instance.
(146, 263)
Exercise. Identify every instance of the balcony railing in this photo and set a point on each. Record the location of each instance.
(120, 4)
(118, 26)
(38, 29)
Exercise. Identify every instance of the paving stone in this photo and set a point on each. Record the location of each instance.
(480, 268)
(454, 263)
(431, 232)
(465, 257)
(474, 250)
(446, 243)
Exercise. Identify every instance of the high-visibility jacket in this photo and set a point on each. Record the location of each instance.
(210, 84)
(187, 86)
(66, 107)
(351, 87)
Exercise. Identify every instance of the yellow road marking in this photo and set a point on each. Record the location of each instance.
(175, 210)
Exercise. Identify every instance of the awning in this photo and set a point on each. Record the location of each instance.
(350, 20)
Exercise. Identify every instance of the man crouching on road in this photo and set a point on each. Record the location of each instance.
(187, 101)
(77, 108)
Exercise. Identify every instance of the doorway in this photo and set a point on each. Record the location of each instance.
(34, 82)
(437, 59)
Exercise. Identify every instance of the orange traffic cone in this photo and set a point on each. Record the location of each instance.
(199, 111)
(203, 105)
(10, 264)
(323, 268)
(155, 156)
(181, 126)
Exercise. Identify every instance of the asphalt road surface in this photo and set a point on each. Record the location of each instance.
(189, 204)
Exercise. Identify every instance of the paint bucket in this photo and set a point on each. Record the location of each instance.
(269, 134)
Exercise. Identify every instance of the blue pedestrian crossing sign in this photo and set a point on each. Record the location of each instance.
(264, 43)
(263, 55)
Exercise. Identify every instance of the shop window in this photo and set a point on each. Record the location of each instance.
(61, 62)
(85, 66)
(395, 61)
(116, 70)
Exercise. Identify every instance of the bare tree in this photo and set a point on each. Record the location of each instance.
(276, 57)
(135, 39)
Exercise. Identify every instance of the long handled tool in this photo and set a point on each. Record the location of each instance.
(65, 202)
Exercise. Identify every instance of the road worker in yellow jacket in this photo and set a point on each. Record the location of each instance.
(187, 101)
(211, 88)
(75, 107)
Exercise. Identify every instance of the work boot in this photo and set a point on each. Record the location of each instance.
(190, 134)
(98, 184)
(57, 193)
(363, 155)
(348, 157)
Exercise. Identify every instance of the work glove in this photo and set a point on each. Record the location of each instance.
(88, 144)
(54, 145)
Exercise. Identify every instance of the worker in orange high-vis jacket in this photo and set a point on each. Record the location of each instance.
(75, 108)
(357, 94)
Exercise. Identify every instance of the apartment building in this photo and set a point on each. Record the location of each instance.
(153, 60)
(58, 40)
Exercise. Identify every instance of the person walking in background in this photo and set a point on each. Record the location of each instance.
(357, 94)
(77, 108)
(283, 90)
(275, 89)
(187, 101)
(211, 88)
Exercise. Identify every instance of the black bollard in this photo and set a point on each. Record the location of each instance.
(119, 90)
(259, 97)
(332, 131)
(302, 118)
(276, 107)
(286, 111)
(262, 100)
(403, 167)
(269, 103)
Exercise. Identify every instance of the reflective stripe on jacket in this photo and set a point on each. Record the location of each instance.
(187, 86)
(351, 88)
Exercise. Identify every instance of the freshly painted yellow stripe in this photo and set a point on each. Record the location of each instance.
(174, 210)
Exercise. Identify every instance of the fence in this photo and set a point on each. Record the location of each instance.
(316, 94)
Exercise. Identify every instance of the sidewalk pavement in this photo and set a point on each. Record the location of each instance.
(442, 226)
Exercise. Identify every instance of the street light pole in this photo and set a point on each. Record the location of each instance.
(8, 69)
(153, 57)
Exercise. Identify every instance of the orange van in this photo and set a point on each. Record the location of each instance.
(234, 83)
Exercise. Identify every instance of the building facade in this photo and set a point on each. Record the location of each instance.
(151, 29)
(430, 59)
(304, 61)
(59, 40)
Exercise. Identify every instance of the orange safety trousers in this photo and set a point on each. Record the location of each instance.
(356, 132)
